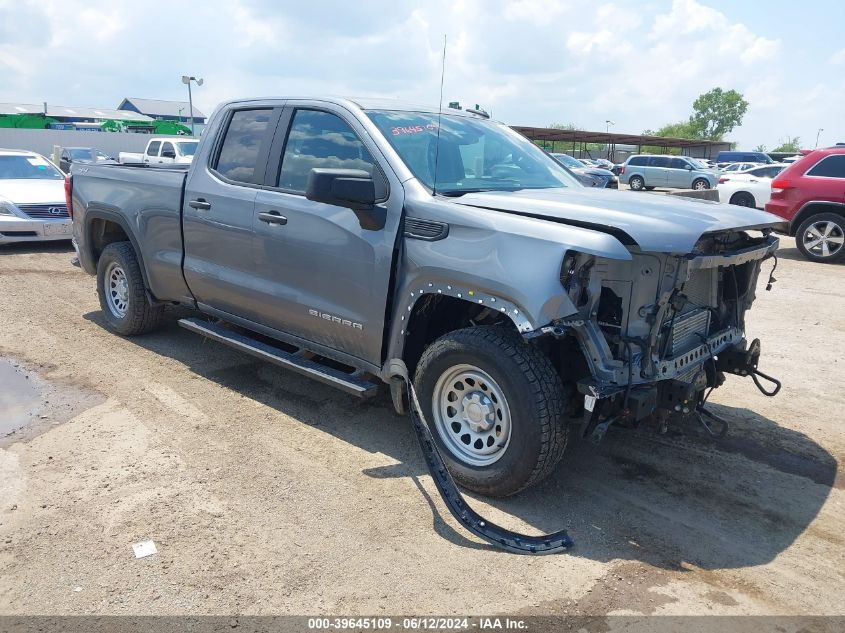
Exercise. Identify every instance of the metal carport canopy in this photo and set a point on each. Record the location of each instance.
(609, 138)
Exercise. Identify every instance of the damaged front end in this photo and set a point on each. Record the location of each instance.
(659, 331)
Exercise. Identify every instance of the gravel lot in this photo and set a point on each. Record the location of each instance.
(268, 493)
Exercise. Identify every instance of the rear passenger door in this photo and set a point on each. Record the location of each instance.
(151, 155)
(220, 264)
(829, 178)
(325, 271)
(657, 172)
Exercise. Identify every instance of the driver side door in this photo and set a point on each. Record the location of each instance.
(324, 272)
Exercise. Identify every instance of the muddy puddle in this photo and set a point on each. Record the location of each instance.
(30, 404)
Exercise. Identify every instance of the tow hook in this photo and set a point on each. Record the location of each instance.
(744, 363)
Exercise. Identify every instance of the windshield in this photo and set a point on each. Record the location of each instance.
(27, 168)
(572, 163)
(81, 153)
(698, 164)
(187, 149)
(474, 154)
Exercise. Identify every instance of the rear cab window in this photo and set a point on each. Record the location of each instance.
(238, 156)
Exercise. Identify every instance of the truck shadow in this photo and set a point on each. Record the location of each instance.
(57, 246)
(659, 499)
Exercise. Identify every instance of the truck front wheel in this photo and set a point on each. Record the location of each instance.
(120, 287)
(496, 408)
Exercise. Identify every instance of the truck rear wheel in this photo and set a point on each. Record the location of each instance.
(496, 408)
(123, 298)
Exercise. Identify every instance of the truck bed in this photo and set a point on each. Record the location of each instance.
(148, 200)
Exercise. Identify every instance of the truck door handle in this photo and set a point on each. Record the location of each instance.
(272, 217)
(199, 203)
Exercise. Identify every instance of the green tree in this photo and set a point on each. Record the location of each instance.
(681, 129)
(760, 148)
(791, 144)
(717, 112)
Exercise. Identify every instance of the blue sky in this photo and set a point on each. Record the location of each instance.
(530, 62)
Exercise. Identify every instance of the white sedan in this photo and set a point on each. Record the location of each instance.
(32, 199)
(750, 188)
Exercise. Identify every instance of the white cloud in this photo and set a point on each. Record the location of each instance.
(585, 43)
(528, 61)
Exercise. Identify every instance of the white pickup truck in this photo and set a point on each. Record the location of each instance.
(163, 149)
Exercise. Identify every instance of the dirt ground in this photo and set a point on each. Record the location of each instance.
(267, 493)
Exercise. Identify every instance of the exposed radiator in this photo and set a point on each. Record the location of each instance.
(688, 331)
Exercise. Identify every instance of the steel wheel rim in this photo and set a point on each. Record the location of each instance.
(700, 185)
(636, 184)
(824, 238)
(471, 415)
(117, 290)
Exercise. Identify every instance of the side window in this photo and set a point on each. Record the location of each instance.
(238, 157)
(658, 161)
(829, 167)
(167, 147)
(638, 161)
(319, 139)
(678, 163)
(152, 148)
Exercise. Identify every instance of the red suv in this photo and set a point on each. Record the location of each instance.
(810, 195)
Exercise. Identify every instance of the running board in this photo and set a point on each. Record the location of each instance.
(353, 384)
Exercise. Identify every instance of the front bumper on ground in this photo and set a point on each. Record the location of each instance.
(15, 229)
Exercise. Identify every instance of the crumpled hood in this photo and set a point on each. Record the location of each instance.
(32, 191)
(658, 223)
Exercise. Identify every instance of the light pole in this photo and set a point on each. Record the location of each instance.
(817, 137)
(607, 124)
(187, 81)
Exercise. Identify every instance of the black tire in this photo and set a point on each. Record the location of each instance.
(804, 237)
(699, 184)
(533, 394)
(138, 316)
(649, 188)
(636, 183)
(743, 199)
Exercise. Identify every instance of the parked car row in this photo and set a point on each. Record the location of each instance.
(590, 175)
(32, 199)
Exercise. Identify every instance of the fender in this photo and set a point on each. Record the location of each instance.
(804, 212)
(505, 262)
(100, 211)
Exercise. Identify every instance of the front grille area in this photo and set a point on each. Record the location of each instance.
(689, 331)
(55, 211)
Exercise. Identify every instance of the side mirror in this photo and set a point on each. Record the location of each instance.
(350, 188)
(689, 167)
(168, 153)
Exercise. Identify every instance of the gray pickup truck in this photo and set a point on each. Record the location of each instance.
(356, 242)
